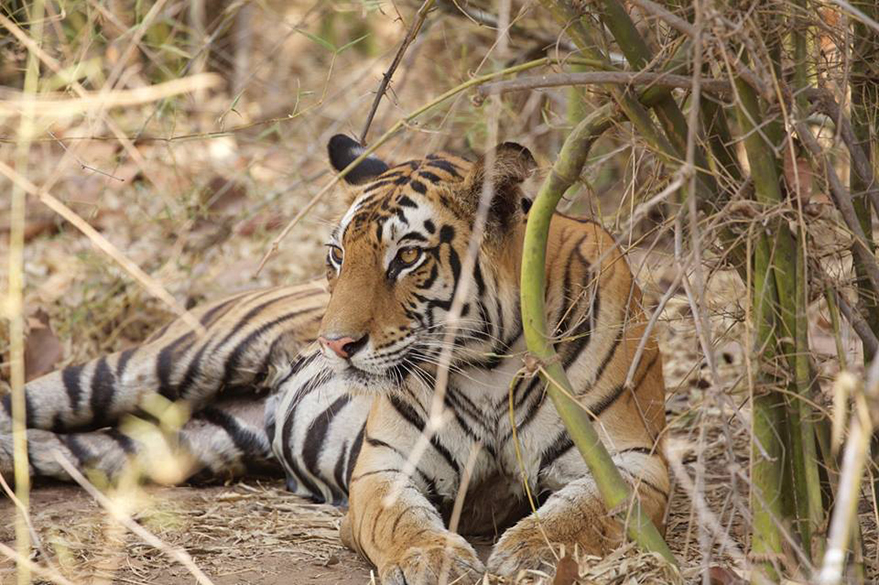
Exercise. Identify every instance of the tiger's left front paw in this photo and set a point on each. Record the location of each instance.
(519, 549)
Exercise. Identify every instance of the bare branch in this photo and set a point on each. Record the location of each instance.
(674, 21)
(828, 106)
(668, 80)
(843, 201)
(420, 17)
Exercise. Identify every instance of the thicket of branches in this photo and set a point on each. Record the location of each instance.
(779, 78)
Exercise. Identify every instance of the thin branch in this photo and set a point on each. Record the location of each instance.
(484, 18)
(858, 14)
(828, 106)
(667, 80)
(118, 98)
(843, 201)
(177, 554)
(48, 574)
(420, 17)
(861, 327)
(674, 21)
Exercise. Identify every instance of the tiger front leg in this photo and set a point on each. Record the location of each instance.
(573, 517)
(392, 524)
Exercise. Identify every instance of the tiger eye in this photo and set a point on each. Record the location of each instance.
(409, 256)
(336, 254)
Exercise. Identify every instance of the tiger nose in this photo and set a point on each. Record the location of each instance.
(344, 347)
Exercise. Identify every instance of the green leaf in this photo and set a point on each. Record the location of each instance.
(347, 46)
(316, 39)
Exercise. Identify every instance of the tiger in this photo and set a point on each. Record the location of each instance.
(398, 382)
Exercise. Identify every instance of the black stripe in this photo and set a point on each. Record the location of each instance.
(231, 367)
(158, 334)
(70, 376)
(353, 452)
(103, 389)
(636, 479)
(80, 453)
(315, 439)
(245, 440)
(165, 365)
(407, 412)
(287, 432)
(248, 317)
(208, 318)
(300, 363)
(559, 447)
(124, 441)
(379, 443)
(444, 165)
(431, 485)
(122, 362)
(610, 399)
(642, 450)
(432, 177)
(6, 403)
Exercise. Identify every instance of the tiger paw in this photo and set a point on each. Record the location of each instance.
(443, 558)
(521, 548)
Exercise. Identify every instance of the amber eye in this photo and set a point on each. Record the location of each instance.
(408, 256)
(336, 254)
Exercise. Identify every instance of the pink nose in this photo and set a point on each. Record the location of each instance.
(344, 347)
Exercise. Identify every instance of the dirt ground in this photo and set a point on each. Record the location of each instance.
(246, 533)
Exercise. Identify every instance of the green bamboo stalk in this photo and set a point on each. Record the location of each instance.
(810, 510)
(768, 501)
(614, 489)
(766, 449)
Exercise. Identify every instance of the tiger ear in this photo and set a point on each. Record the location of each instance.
(511, 164)
(344, 150)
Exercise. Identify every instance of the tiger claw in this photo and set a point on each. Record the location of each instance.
(444, 563)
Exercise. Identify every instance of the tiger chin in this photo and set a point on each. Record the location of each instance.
(335, 384)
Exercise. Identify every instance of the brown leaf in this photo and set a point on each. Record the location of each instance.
(42, 349)
(566, 572)
(723, 576)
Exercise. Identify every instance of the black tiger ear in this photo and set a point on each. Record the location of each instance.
(511, 164)
(343, 150)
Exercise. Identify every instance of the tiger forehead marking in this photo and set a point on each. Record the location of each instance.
(402, 189)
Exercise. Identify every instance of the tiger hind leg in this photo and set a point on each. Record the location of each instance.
(249, 340)
(220, 441)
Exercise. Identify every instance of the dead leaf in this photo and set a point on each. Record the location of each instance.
(724, 576)
(42, 349)
(566, 572)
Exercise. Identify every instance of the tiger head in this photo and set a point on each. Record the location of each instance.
(397, 262)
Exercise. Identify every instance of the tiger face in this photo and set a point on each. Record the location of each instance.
(398, 257)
